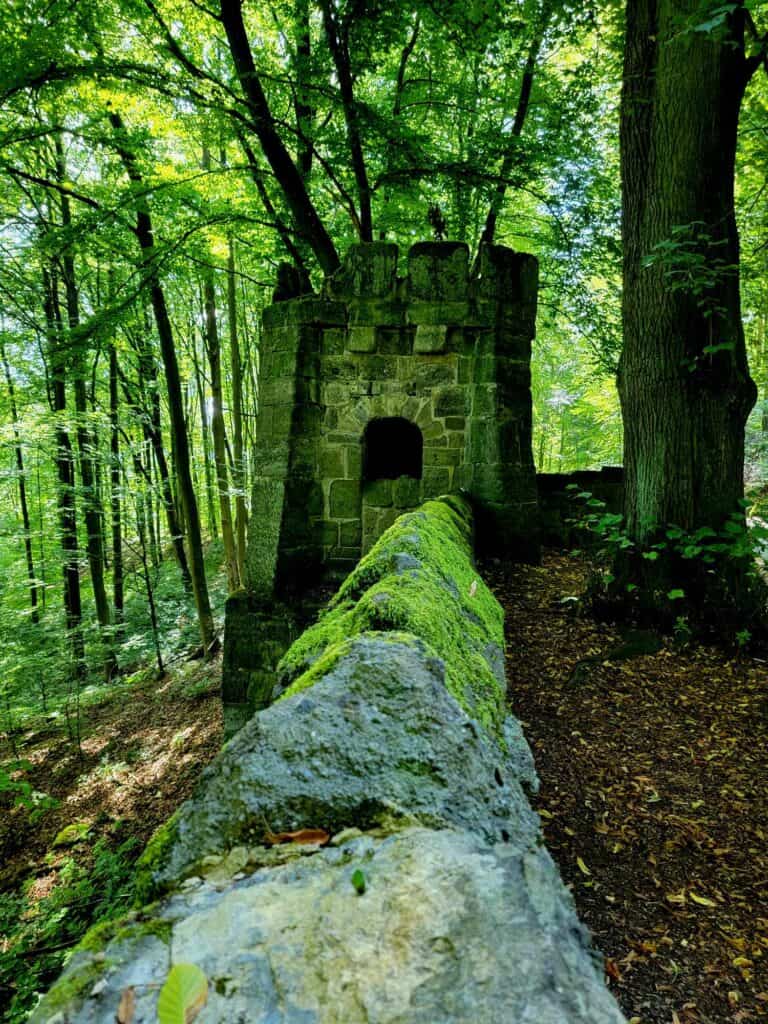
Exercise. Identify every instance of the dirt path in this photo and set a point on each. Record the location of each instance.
(653, 798)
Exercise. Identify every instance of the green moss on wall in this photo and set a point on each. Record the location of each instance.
(418, 579)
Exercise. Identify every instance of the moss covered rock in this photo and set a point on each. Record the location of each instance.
(419, 578)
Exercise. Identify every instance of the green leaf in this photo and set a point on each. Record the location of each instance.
(358, 881)
(675, 595)
(650, 556)
(183, 995)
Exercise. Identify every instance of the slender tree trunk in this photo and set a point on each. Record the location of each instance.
(521, 113)
(115, 488)
(65, 472)
(86, 443)
(22, 482)
(236, 368)
(154, 435)
(218, 428)
(684, 382)
(213, 524)
(302, 104)
(337, 36)
(305, 216)
(146, 239)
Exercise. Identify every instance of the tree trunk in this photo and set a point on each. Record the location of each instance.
(65, 472)
(153, 432)
(115, 487)
(238, 468)
(683, 380)
(22, 481)
(337, 36)
(305, 216)
(86, 441)
(213, 524)
(146, 239)
(213, 349)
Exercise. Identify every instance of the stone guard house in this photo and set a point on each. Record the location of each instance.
(379, 393)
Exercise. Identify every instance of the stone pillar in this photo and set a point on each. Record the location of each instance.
(504, 477)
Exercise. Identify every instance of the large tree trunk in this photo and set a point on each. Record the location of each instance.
(683, 380)
(305, 216)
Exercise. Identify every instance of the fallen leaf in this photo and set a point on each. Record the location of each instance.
(703, 901)
(127, 1006)
(307, 836)
(582, 866)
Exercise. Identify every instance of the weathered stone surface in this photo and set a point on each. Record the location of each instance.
(447, 931)
(438, 270)
(369, 270)
(435, 903)
(431, 338)
(362, 339)
(377, 737)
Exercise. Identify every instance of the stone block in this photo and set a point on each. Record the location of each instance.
(353, 461)
(441, 457)
(331, 462)
(451, 402)
(344, 499)
(430, 338)
(436, 312)
(429, 371)
(369, 270)
(455, 422)
(350, 534)
(361, 339)
(435, 480)
(333, 340)
(438, 270)
(511, 278)
(392, 341)
(378, 493)
(406, 492)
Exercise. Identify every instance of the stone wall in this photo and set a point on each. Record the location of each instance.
(433, 901)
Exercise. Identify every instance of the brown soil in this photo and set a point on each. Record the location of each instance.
(653, 798)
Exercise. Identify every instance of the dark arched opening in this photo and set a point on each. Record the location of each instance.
(392, 447)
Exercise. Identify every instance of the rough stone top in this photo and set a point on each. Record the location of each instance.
(434, 271)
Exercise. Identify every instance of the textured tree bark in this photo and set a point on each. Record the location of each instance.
(683, 378)
(337, 36)
(115, 487)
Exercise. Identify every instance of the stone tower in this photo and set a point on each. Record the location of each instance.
(374, 396)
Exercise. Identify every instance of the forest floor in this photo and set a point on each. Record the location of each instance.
(142, 749)
(654, 796)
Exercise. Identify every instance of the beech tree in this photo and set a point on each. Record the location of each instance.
(683, 378)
